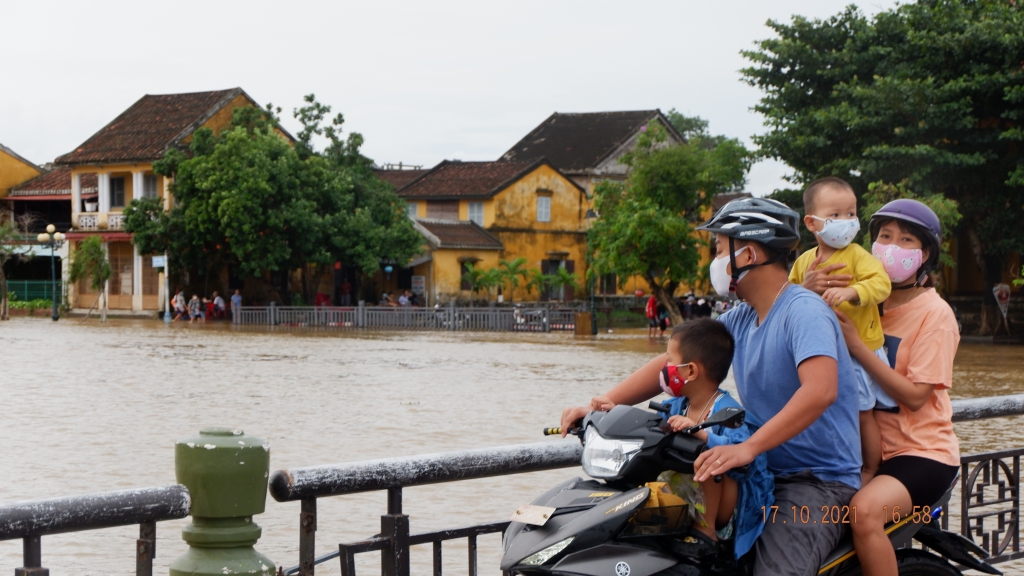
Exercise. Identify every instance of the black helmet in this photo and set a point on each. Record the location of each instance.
(761, 220)
(769, 222)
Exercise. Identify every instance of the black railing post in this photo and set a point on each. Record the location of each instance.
(472, 555)
(32, 557)
(395, 527)
(437, 558)
(307, 537)
(145, 549)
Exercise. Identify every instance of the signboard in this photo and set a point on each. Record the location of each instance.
(419, 285)
(159, 261)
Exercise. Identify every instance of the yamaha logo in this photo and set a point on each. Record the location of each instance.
(753, 232)
(622, 569)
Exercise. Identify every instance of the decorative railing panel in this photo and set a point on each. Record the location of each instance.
(506, 319)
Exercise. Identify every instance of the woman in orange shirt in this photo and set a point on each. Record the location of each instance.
(920, 452)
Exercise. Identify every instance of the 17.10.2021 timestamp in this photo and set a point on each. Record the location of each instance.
(804, 515)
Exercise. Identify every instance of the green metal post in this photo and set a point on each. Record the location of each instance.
(226, 474)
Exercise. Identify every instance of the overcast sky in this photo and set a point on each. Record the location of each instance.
(422, 81)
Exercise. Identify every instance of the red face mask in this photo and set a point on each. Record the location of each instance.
(671, 382)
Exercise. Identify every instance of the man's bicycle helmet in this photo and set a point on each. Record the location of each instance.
(924, 220)
(761, 220)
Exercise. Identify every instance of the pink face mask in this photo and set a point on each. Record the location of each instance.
(899, 263)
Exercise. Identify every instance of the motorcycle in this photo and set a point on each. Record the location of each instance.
(604, 527)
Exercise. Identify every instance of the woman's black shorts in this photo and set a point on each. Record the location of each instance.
(925, 479)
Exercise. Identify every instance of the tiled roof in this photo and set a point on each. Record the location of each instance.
(150, 127)
(456, 179)
(578, 142)
(457, 234)
(56, 181)
(399, 178)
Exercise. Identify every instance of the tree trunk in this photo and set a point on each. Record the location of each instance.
(990, 314)
(664, 296)
(103, 307)
(3, 294)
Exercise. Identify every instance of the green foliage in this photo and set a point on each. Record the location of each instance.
(30, 305)
(881, 193)
(927, 94)
(537, 281)
(646, 223)
(248, 199)
(514, 272)
(563, 279)
(90, 261)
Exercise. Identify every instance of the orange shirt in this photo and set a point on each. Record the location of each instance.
(929, 338)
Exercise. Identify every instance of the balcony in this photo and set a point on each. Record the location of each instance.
(99, 221)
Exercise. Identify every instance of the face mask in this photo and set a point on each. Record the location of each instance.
(899, 263)
(838, 233)
(720, 279)
(671, 382)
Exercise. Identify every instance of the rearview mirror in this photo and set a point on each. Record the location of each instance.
(728, 417)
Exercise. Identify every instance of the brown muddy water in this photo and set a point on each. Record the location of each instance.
(91, 408)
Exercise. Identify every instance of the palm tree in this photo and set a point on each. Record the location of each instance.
(491, 279)
(512, 273)
(537, 280)
(563, 279)
(474, 277)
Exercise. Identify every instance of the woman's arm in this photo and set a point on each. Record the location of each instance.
(913, 395)
(635, 388)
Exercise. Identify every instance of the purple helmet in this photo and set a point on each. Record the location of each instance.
(916, 213)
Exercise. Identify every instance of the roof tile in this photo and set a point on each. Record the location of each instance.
(576, 142)
(56, 181)
(455, 179)
(460, 234)
(399, 178)
(149, 127)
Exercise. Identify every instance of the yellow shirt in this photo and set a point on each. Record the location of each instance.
(869, 280)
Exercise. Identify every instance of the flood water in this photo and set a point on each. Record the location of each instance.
(92, 408)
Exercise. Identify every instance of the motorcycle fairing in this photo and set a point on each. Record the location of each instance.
(568, 493)
(616, 560)
(590, 526)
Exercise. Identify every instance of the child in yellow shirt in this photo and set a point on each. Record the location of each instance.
(831, 208)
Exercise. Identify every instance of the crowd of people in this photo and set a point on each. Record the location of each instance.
(406, 298)
(203, 308)
(843, 361)
(691, 307)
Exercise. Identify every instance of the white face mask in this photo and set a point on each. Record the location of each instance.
(838, 233)
(720, 279)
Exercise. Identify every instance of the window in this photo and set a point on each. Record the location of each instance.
(608, 284)
(464, 268)
(476, 213)
(117, 192)
(543, 208)
(149, 183)
(414, 210)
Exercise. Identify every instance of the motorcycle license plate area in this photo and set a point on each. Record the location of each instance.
(532, 514)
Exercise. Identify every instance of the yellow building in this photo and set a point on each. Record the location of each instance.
(121, 156)
(14, 170)
(477, 213)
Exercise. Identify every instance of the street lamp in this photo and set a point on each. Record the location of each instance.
(590, 217)
(54, 240)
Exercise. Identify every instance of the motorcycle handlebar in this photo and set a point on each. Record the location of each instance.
(553, 431)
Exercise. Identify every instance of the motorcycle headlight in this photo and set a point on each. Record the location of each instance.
(547, 553)
(603, 457)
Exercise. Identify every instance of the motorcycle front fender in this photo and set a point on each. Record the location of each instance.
(615, 560)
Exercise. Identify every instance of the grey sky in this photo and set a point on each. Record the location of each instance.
(422, 81)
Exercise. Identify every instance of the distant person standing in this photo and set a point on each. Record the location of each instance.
(652, 316)
(236, 306)
(218, 305)
(195, 309)
(346, 293)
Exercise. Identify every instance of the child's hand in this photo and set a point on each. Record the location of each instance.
(836, 296)
(677, 423)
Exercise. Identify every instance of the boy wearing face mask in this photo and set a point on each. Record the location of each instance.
(831, 208)
(698, 358)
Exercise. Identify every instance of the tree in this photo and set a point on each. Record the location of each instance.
(90, 262)
(474, 277)
(645, 226)
(247, 199)
(561, 280)
(13, 247)
(513, 273)
(926, 94)
(537, 281)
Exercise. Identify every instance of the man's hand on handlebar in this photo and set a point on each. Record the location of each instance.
(570, 416)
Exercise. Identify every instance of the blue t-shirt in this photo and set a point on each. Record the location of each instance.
(799, 326)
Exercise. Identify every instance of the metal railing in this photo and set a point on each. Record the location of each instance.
(392, 474)
(33, 519)
(34, 289)
(506, 319)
